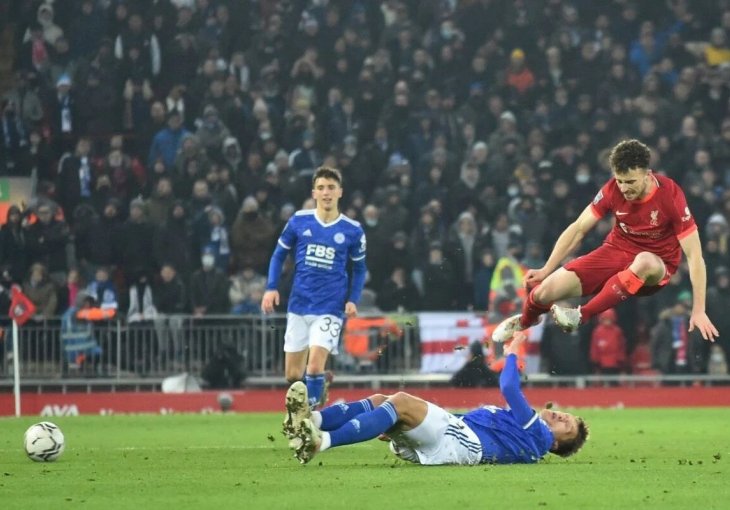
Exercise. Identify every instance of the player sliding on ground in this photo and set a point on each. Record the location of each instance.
(323, 242)
(424, 433)
(653, 227)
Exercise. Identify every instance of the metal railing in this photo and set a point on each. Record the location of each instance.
(116, 349)
(116, 354)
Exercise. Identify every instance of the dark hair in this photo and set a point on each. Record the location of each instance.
(570, 447)
(629, 154)
(326, 172)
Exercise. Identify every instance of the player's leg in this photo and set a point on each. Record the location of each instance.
(314, 377)
(406, 410)
(296, 343)
(333, 417)
(645, 270)
(324, 335)
(561, 284)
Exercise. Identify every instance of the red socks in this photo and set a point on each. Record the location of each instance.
(618, 288)
(531, 311)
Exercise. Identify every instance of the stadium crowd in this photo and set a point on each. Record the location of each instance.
(169, 141)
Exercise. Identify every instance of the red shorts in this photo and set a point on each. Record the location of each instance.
(595, 268)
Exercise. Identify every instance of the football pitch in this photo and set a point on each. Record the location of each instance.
(635, 458)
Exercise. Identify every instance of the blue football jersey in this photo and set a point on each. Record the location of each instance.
(513, 435)
(321, 252)
(505, 440)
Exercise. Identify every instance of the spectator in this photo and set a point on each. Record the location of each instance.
(718, 301)
(63, 114)
(564, 353)
(464, 246)
(475, 373)
(25, 92)
(608, 345)
(160, 204)
(46, 241)
(213, 234)
(14, 145)
(252, 238)
(439, 292)
(209, 288)
(41, 291)
(70, 291)
(246, 291)
(169, 297)
(76, 179)
(100, 244)
(137, 254)
(398, 294)
(674, 350)
(13, 246)
(141, 303)
(167, 141)
(136, 38)
(212, 132)
(173, 240)
(103, 290)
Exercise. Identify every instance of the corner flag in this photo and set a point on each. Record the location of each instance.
(21, 308)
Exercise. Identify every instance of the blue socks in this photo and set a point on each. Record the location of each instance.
(315, 387)
(365, 426)
(335, 416)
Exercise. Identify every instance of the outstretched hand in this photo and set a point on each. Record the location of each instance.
(513, 346)
(701, 321)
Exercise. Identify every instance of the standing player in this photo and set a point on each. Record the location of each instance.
(426, 434)
(653, 227)
(322, 241)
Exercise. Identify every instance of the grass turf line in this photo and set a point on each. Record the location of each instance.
(652, 458)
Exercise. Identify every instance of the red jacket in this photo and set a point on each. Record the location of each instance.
(608, 346)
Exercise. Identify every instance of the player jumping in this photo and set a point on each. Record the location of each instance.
(321, 240)
(653, 227)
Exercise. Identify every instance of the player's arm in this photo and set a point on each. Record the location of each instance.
(509, 384)
(692, 249)
(571, 237)
(357, 253)
(359, 272)
(284, 245)
(271, 295)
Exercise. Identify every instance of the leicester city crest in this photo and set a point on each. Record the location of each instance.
(339, 238)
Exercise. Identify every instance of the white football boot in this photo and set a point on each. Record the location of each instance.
(507, 328)
(310, 437)
(567, 318)
(297, 410)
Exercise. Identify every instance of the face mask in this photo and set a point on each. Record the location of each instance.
(208, 261)
(251, 215)
(513, 191)
(582, 178)
(371, 222)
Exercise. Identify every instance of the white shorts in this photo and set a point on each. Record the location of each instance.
(304, 331)
(442, 438)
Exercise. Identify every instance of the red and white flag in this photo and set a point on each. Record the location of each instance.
(445, 339)
(21, 308)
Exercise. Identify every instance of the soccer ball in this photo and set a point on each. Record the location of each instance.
(44, 442)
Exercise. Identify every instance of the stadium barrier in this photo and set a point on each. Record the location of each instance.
(375, 351)
(68, 348)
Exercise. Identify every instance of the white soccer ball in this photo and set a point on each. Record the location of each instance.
(44, 442)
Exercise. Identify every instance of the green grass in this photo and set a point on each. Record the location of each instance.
(649, 458)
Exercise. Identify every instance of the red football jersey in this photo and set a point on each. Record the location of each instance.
(654, 224)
